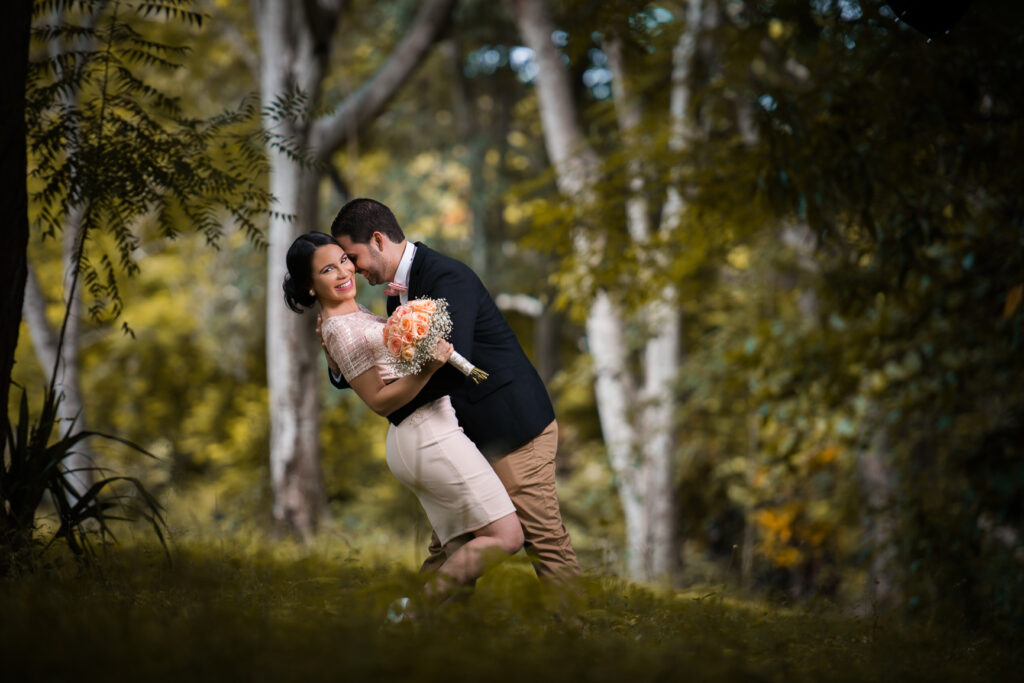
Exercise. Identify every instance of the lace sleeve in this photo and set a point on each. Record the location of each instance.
(348, 346)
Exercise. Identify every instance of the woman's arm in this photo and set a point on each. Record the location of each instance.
(385, 399)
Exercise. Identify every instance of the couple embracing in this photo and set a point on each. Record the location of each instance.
(479, 457)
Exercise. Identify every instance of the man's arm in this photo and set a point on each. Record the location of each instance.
(459, 287)
(337, 380)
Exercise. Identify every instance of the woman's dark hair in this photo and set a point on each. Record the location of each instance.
(299, 277)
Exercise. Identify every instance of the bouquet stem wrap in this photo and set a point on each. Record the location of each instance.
(412, 332)
(467, 368)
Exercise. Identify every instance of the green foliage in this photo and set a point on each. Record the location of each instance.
(32, 467)
(240, 613)
(910, 347)
(105, 141)
(850, 266)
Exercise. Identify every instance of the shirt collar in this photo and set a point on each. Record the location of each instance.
(405, 265)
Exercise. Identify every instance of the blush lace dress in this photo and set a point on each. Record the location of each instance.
(428, 450)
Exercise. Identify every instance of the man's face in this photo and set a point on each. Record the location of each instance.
(367, 258)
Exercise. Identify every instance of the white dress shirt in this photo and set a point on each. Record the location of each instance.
(402, 272)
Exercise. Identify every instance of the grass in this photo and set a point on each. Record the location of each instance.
(231, 612)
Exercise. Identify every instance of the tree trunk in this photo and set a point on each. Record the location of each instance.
(294, 44)
(80, 462)
(636, 411)
(880, 488)
(289, 63)
(661, 353)
(14, 205)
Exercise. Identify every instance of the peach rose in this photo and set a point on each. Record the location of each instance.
(394, 345)
(420, 324)
(420, 328)
(408, 352)
(423, 306)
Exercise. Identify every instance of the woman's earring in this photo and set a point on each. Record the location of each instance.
(312, 293)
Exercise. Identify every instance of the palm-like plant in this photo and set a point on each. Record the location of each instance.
(33, 467)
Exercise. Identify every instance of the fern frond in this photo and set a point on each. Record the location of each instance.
(147, 58)
(104, 138)
(171, 10)
(42, 8)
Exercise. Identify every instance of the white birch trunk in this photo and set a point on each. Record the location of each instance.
(576, 164)
(79, 462)
(288, 63)
(636, 414)
(880, 490)
(663, 354)
(661, 357)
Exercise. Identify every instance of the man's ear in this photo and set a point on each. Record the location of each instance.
(378, 240)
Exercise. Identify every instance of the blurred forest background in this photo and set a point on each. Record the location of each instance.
(767, 255)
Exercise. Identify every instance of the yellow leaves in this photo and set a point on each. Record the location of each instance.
(777, 29)
(517, 138)
(363, 51)
(425, 163)
(777, 526)
(439, 183)
(518, 162)
(779, 521)
(792, 531)
(786, 557)
(827, 455)
(513, 213)
(1013, 301)
(739, 257)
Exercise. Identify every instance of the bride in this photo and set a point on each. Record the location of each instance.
(428, 451)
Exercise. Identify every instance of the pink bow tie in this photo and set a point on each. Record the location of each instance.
(395, 289)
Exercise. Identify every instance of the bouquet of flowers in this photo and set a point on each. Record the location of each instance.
(412, 332)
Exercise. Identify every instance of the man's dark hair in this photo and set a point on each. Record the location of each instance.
(360, 218)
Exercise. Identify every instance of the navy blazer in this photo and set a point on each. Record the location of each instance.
(511, 406)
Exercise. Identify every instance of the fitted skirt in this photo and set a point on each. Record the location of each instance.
(454, 483)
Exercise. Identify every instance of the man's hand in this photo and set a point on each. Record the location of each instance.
(330, 361)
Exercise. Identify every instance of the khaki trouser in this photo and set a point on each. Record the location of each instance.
(528, 474)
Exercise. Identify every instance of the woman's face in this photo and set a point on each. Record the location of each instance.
(333, 275)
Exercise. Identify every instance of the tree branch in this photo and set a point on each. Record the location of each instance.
(524, 304)
(362, 106)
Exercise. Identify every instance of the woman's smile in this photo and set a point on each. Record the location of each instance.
(333, 278)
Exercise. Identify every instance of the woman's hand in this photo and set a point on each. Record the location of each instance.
(442, 352)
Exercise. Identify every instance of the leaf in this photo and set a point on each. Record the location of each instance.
(1013, 301)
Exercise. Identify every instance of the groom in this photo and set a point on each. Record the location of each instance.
(509, 416)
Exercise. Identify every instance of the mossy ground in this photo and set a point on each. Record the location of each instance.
(223, 612)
